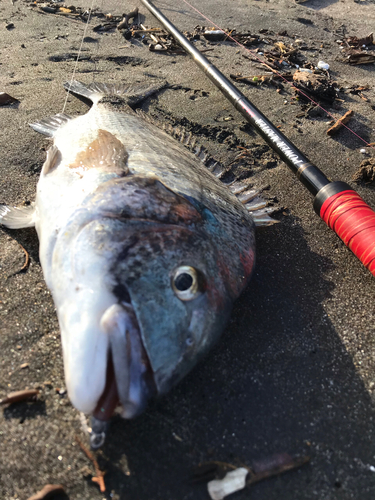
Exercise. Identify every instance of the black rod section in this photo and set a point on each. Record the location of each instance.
(310, 175)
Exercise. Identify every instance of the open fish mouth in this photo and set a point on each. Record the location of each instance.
(129, 377)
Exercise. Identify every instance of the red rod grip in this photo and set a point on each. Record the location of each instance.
(354, 222)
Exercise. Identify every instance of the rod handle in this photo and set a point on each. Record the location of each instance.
(349, 216)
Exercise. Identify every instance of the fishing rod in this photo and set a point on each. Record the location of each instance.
(340, 206)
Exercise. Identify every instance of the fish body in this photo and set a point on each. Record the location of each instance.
(144, 251)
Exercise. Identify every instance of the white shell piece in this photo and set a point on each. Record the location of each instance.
(323, 65)
(214, 32)
(233, 481)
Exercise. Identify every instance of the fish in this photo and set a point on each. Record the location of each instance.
(143, 248)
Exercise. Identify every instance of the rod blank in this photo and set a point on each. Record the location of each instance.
(343, 210)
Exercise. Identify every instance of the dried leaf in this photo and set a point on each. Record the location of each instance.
(358, 42)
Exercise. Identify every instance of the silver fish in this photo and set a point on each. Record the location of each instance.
(143, 248)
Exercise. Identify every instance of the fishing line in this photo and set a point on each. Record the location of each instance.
(79, 53)
(96, 59)
(254, 54)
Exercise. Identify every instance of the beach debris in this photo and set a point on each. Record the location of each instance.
(358, 90)
(162, 42)
(48, 492)
(323, 65)
(124, 24)
(355, 50)
(66, 10)
(99, 478)
(224, 478)
(9, 26)
(366, 172)
(354, 41)
(215, 35)
(6, 99)
(48, 9)
(264, 79)
(232, 482)
(340, 122)
(315, 85)
(356, 57)
(274, 465)
(18, 396)
(104, 27)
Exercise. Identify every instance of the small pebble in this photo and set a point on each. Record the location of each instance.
(323, 65)
(363, 151)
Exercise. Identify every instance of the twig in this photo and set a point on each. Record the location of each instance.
(99, 479)
(289, 464)
(344, 119)
(26, 263)
(66, 16)
(27, 259)
(16, 397)
(149, 30)
(156, 40)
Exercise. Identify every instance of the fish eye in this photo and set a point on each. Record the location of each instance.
(185, 283)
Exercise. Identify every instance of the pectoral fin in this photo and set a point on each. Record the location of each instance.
(17, 217)
(106, 153)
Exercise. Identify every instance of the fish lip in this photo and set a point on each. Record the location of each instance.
(129, 377)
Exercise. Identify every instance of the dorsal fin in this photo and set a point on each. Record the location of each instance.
(246, 193)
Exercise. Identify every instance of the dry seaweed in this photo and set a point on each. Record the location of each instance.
(315, 85)
(366, 172)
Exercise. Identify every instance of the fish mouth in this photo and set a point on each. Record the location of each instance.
(129, 377)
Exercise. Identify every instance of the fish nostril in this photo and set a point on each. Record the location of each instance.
(189, 341)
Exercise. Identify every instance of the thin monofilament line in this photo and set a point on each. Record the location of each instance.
(276, 72)
(78, 55)
(100, 5)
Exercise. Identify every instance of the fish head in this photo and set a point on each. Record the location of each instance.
(147, 297)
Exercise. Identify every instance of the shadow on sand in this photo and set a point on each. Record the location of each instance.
(280, 380)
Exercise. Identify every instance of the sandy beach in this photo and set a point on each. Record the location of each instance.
(294, 371)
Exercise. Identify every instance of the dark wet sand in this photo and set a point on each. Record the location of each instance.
(294, 371)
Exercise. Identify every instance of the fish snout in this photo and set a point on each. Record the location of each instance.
(129, 378)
